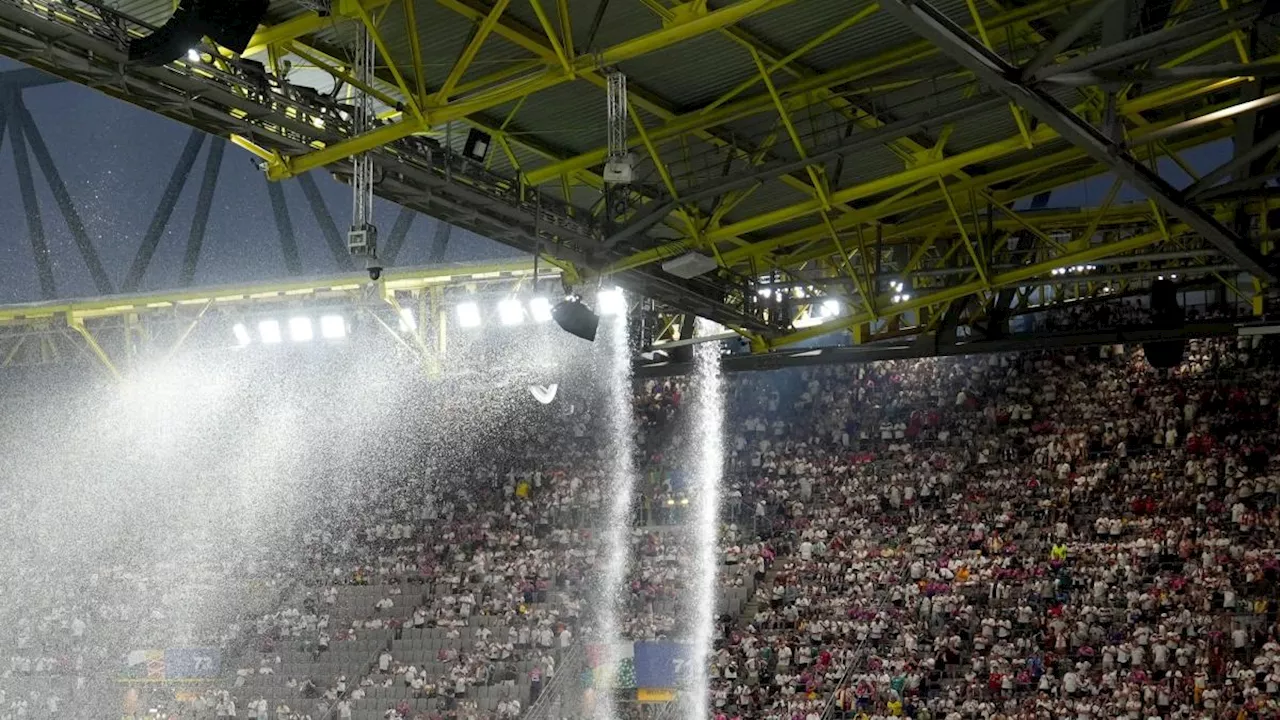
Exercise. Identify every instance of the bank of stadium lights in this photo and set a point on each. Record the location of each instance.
(300, 329)
(540, 309)
(468, 315)
(333, 327)
(611, 301)
(511, 311)
(269, 332)
(407, 323)
(1073, 270)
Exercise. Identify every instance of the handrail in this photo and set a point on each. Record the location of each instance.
(570, 664)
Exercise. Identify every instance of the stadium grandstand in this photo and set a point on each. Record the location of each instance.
(725, 360)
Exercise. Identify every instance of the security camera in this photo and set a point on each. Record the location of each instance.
(375, 272)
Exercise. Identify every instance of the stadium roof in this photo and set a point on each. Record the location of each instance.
(892, 156)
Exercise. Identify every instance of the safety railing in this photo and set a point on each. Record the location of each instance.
(569, 666)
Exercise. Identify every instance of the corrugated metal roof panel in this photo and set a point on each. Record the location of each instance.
(692, 73)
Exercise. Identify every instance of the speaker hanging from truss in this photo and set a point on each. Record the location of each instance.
(362, 239)
(620, 167)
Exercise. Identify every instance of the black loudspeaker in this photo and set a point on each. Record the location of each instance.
(1166, 314)
(576, 319)
(230, 23)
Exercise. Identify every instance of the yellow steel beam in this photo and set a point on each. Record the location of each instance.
(77, 324)
(786, 60)
(469, 52)
(552, 38)
(307, 23)
(797, 94)
(372, 28)
(1131, 213)
(415, 50)
(394, 279)
(533, 42)
(956, 292)
(906, 200)
(964, 234)
(439, 113)
(945, 166)
(819, 186)
(566, 26)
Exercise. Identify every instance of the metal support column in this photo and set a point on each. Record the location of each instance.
(399, 232)
(337, 246)
(990, 68)
(200, 220)
(284, 224)
(61, 196)
(439, 242)
(147, 248)
(27, 188)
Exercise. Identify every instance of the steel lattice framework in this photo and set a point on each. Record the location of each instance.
(891, 161)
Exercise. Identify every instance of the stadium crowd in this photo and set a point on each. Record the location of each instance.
(1068, 534)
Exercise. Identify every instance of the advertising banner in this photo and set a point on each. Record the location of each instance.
(662, 664)
(612, 666)
(191, 663)
(172, 664)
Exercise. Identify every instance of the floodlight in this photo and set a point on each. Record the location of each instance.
(406, 320)
(576, 319)
(193, 55)
(830, 308)
(540, 309)
(300, 329)
(469, 315)
(611, 302)
(269, 331)
(511, 311)
(333, 327)
(242, 334)
(230, 23)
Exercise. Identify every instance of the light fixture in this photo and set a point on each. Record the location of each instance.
(469, 315)
(540, 309)
(300, 329)
(269, 331)
(576, 319)
(230, 23)
(897, 299)
(242, 334)
(193, 55)
(830, 308)
(406, 320)
(611, 301)
(333, 327)
(906, 297)
(477, 144)
(510, 311)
